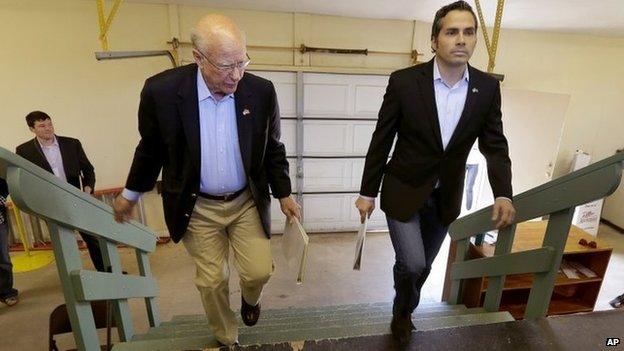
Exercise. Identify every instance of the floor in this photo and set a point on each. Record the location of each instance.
(329, 281)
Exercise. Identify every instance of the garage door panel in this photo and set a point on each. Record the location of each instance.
(336, 213)
(287, 99)
(326, 175)
(289, 136)
(362, 134)
(326, 100)
(326, 138)
(352, 99)
(367, 100)
(286, 88)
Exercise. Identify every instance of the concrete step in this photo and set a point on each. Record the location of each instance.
(258, 336)
(268, 325)
(317, 311)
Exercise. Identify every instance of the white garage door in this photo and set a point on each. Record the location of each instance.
(337, 115)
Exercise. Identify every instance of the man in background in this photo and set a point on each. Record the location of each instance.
(66, 159)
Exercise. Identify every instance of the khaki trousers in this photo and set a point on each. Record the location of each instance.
(214, 227)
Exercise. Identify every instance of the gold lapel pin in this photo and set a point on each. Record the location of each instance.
(246, 112)
(475, 90)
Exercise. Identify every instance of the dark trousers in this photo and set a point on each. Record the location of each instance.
(416, 244)
(6, 267)
(93, 245)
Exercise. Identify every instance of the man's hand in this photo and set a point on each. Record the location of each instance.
(365, 207)
(87, 189)
(503, 212)
(290, 208)
(122, 209)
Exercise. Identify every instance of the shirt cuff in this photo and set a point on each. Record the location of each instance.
(368, 198)
(130, 195)
(504, 198)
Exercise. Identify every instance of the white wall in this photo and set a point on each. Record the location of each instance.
(47, 63)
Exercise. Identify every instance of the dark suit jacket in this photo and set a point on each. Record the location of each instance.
(419, 160)
(169, 128)
(78, 169)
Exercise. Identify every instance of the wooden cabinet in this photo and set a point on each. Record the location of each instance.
(569, 295)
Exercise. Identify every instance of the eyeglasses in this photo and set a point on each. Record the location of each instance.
(227, 68)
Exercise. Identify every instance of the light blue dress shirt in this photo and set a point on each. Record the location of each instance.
(450, 102)
(222, 171)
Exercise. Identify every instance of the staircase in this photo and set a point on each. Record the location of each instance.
(289, 328)
(349, 327)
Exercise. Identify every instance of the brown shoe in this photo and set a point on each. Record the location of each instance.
(401, 327)
(249, 313)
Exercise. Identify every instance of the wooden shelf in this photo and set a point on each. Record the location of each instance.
(557, 306)
(525, 281)
(569, 295)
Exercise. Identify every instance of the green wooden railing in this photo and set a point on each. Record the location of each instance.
(67, 209)
(557, 199)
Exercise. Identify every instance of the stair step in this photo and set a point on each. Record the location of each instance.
(313, 312)
(319, 332)
(281, 324)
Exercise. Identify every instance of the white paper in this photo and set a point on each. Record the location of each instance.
(569, 271)
(295, 245)
(359, 245)
(584, 270)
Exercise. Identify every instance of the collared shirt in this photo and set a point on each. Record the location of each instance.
(222, 169)
(450, 101)
(52, 154)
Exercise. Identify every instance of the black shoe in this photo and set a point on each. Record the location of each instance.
(618, 302)
(249, 313)
(401, 327)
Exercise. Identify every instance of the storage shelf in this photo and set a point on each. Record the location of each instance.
(569, 295)
(525, 281)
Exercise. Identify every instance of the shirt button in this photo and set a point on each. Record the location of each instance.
(187, 215)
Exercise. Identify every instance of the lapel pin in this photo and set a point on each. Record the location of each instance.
(475, 90)
(246, 112)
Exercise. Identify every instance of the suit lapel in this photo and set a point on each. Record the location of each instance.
(471, 98)
(425, 82)
(65, 154)
(244, 122)
(189, 114)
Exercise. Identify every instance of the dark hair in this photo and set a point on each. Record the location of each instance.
(437, 20)
(36, 116)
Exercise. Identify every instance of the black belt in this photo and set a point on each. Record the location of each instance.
(226, 197)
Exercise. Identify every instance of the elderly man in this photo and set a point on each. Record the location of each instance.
(214, 131)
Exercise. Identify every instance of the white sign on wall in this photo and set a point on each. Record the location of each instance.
(587, 216)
